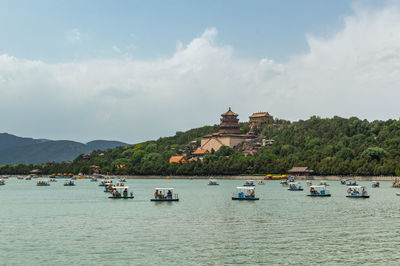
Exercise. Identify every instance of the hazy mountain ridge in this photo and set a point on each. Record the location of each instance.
(14, 149)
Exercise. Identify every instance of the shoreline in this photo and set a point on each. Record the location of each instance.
(245, 177)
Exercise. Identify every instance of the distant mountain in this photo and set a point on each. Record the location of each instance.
(14, 149)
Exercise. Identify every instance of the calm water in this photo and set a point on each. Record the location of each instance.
(60, 225)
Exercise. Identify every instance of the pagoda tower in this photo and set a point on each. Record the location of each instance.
(229, 123)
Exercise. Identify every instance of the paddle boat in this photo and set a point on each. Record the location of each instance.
(284, 183)
(122, 179)
(28, 178)
(212, 182)
(164, 194)
(42, 183)
(249, 183)
(93, 179)
(261, 183)
(343, 181)
(375, 184)
(53, 180)
(351, 183)
(357, 192)
(105, 183)
(295, 186)
(2, 182)
(73, 178)
(20, 177)
(397, 194)
(120, 192)
(244, 193)
(5, 177)
(323, 183)
(319, 191)
(396, 183)
(69, 183)
(309, 183)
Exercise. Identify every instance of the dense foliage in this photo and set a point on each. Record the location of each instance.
(331, 146)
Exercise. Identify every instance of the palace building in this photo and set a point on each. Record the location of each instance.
(229, 134)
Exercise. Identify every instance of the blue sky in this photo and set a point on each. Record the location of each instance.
(150, 29)
(138, 70)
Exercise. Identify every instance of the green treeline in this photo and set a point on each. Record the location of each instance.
(330, 146)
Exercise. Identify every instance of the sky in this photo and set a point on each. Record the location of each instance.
(139, 70)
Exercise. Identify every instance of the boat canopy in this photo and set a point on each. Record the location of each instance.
(245, 188)
(120, 187)
(319, 186)
(163, 189)
(356, 187)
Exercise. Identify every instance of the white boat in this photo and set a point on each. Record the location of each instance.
(375, 184)
(120, 192)
(295, 186)
(357, 192)
(42, 183)
(2, 182)
(105, 183)
(212, 182)
(244, 193)
(319, 191)
(323, 183)
(164, 194)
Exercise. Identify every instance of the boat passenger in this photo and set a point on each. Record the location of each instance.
(252, 193)
(126, 192)
(156, 194)
(169, 194)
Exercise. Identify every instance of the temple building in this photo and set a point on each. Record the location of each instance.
(259, 118)
(229, 134)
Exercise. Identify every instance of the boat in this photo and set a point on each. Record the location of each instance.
(351, 183)
(249, 183)
(295, 186)
(122, 180)
(69, 183)
(28, 178)
(244, 193)
(284, 183)
(212, 182)
(120, 192)
(164, 194)
(20, 177)
(396, 183)
(343, 181)
(375, 184)
(323, 183)
(109, 188)
(93, 179)
(397, 194)
(357, 192)
(309, 183)
(2, 182)
(319, 191)
(275, 177)
(73, 178)
(261, 183)
(42, 183)
(105, 183)
(53, 180)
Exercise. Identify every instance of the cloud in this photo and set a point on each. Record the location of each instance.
(354, 72)
(116, 49)
(73, 36)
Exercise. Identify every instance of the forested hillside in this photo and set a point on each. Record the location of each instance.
(330, 146)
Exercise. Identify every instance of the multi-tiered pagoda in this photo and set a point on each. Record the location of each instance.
(229, 134)
(229, 123)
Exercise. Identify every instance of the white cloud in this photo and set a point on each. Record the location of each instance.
(73, 36)
(116, 49)
(355, 72)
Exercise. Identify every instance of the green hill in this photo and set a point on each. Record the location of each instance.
(329, 146)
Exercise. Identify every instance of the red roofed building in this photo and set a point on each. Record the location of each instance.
(177, 159)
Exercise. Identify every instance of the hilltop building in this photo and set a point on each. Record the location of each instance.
(177, 159)
(229, 134)
(259, 118)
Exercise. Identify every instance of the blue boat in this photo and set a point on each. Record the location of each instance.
(244, 193)
(357, 192)
(351, 183)
(295, 186)
(375, 184)
(69, 183)
(319, 191)
(249, 183)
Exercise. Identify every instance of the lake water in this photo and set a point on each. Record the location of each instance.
(79, 225)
